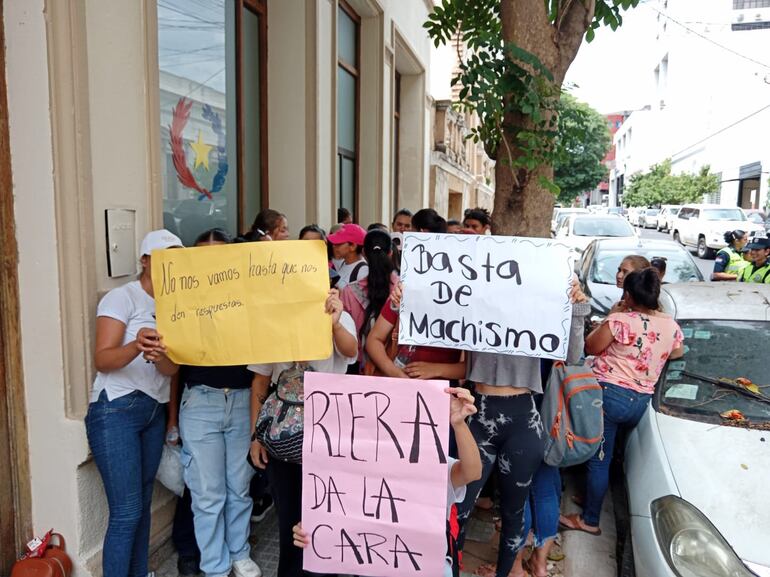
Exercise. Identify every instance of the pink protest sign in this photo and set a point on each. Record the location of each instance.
(374, 475)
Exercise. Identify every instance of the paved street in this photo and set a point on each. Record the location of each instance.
(705, 265)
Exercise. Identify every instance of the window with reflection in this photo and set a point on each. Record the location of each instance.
(212, 78)
(348, 28)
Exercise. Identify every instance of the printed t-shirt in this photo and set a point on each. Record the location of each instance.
(336, 363)
(453, 495)
(131, 305)
(639, 351)
(423, 354)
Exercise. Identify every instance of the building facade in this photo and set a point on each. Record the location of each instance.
(711, 81)
(462, 176)
(122, 117)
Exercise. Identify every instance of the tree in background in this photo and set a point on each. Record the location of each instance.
(582, 142)
(658, 186)
(518, 55)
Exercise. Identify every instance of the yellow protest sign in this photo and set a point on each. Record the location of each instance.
(255, 302)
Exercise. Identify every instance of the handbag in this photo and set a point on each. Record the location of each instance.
(48, 560)
(280, 425)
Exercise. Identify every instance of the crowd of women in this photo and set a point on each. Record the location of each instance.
(140, 399)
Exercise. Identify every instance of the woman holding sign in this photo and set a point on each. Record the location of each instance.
(126, 420)
(215, 429)
(510, 436)
(283, 464)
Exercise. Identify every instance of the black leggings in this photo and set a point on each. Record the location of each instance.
(510, 436)
(286, 488)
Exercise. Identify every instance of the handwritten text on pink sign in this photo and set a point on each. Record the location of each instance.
(374, 468)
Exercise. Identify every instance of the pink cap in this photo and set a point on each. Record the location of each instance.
(348, 233)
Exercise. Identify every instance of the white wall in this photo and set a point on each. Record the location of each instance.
(57, 445)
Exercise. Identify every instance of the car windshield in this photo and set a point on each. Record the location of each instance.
(652, 212)
(612, 226)
(679, 265)
(719, 350)
(724, 214)
(755, 217)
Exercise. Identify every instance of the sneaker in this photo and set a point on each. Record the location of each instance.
(261, 508)
(246, 568)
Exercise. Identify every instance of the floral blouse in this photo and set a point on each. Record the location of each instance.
(641, 346)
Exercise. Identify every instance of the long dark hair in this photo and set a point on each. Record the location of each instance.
(643, 286)
(377, 246)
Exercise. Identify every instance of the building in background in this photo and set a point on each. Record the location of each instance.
(711, 79)
(462, 176)
(123, 117)
(601, 194)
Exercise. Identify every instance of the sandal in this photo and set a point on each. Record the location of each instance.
(575, 523)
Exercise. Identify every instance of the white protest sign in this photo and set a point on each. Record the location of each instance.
(497, 294)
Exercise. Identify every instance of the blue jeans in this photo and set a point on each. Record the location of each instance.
(544, 504)
(126, 436)
(215, 426)
(623, 408)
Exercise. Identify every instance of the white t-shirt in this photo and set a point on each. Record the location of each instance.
(345, 270)
(131, 305)
(336, 363)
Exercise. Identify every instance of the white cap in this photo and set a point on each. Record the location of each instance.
(158, 240)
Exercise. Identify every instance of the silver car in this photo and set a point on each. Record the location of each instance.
(697, 466)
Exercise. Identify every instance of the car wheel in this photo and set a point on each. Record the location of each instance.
(703, 250)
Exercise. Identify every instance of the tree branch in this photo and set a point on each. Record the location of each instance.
(574, 22)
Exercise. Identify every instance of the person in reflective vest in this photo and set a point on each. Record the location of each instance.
(729, 263)
(758, 271)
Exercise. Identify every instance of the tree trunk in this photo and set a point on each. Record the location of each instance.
(523, 207)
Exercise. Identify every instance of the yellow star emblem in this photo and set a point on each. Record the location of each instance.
(202, 151)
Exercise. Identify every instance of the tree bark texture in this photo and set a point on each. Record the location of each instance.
(523, 207)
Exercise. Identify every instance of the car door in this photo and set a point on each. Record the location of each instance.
(693, 224)
(680, 223)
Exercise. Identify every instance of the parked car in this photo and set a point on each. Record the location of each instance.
(666, 217)
(756, 216)
(649, 219)
(559, 214)
(578, 230)
(635, 214)
(696, 466)
(599, 263)
(702, 226)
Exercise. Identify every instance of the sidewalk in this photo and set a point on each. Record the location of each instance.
(584, 554)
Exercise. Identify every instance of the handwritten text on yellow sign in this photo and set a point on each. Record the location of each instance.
(256, 302)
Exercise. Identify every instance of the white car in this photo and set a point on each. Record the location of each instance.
(697, 475)
(559, 214)
(636, 214)
(666, 216)
(702, 226)
(578, 230)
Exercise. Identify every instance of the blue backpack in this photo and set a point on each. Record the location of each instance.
(572, 415)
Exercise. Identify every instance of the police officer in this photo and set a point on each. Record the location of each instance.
(758, 271)
(729, 263)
